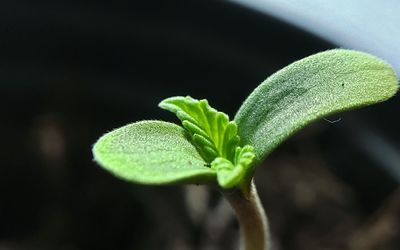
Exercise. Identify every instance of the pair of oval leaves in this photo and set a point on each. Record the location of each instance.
(209, 148)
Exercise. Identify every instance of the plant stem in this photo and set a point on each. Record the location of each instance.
(252, 219)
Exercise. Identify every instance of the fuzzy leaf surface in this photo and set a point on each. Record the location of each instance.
(309, 89)
(152, 152)
(211, 131)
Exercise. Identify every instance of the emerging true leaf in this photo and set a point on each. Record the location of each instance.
(152, 152)
(212, 132)
(309, 89)
(231, 174)
(215, 137)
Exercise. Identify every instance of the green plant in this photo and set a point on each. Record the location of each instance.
(209, 148)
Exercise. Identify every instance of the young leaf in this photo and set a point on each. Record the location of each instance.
(309, 89)
(216, 139)
(211, 131)
(152, 152)
(231, 174)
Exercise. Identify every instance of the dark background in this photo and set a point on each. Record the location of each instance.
(71, 71)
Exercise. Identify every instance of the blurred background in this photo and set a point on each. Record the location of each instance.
(71, 71)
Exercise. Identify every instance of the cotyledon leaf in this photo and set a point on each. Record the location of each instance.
(152, 152)
(316, 86)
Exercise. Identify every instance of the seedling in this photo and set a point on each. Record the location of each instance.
(211, 149)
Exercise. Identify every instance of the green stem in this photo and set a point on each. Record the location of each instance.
(252, 219)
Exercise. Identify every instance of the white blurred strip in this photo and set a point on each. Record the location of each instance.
(368, 25)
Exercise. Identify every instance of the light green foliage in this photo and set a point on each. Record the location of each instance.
(309, 89)
(215, 137)
(152, 152)
(211, 148)
(231, 174)
(211, 131)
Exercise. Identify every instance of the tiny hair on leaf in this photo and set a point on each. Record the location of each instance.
(309, 89)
